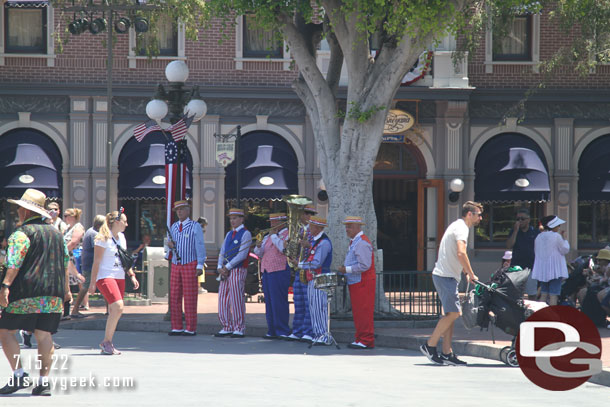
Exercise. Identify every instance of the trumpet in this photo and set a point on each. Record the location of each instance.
(260, 236)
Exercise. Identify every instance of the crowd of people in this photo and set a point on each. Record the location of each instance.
(47, 258)
(543, 250)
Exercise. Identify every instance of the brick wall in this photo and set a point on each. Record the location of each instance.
(522, 76)
(83, 61)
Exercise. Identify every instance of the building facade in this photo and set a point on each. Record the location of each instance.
(53, 129)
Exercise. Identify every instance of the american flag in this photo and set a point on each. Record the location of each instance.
(141, 130)
(175, 175)
(180, 128)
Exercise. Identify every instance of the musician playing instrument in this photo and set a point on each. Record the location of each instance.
(318, 261)
(276, 277)
(301, 323)
(188, 249)
(232, 267)
(359, 269)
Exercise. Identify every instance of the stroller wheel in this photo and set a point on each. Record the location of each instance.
(511, 358)
(504, 353)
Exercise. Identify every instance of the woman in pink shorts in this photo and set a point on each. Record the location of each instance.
(107, 273)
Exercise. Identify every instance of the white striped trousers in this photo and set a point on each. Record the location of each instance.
(318, 308)
(232, 301)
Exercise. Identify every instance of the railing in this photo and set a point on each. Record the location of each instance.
(407, 294)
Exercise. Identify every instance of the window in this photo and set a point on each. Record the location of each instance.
(394, 158)
(162, 42)
(259, 43)
(593, 224)
(516, 45)
(499, 219)
(25, 30)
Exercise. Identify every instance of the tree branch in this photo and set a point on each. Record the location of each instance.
(333, 75)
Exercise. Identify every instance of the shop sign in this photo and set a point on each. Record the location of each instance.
(398, 122)
(225, 152)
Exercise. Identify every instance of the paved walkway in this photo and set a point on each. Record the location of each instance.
(398, 334)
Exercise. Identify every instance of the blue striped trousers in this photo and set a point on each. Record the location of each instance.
(301, 324)
(318, 308)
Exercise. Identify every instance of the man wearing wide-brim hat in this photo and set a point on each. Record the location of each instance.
(188, 256)
(232, 270)
(33, 289)
(359, 269)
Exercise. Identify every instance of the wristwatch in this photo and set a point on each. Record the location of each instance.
(5, 285)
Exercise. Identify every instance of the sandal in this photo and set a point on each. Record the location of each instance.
(115, 351)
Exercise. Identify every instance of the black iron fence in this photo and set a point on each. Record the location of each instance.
(407, 294)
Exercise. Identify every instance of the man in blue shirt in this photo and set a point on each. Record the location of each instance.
(521, 242)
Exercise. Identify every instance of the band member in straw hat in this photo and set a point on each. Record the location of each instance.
(301, 323)
(187, 264)
(276, 277)
(33, 289)
(317, 262)
(359, 270)
(233, 267)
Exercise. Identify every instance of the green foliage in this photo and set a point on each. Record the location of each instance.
(362, 116)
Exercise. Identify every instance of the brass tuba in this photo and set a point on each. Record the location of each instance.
(296, 205)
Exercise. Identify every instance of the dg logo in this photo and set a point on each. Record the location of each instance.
(559, 348)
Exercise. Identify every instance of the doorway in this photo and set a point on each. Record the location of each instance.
(395, 195)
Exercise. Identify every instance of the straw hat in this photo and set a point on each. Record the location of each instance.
(277, 216)
(353, 219)
(32, 200)
(316, 220)
(236, 212)
(180, 204)
(603, 254)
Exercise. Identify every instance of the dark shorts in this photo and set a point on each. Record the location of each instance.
(87, 274)
(30, 322)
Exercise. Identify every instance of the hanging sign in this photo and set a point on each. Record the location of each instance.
(225, 152)
(398, 122)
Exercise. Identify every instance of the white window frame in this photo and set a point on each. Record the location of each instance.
(239, 50)
(133, 56)
(50, 55)
(489, 62)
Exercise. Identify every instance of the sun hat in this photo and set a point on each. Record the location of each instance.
(33, 200)
(316, 220)
(507, 255)
(236, 212)
(353, 219)
(556, 221)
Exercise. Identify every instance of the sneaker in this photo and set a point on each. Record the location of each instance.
(237, 334)
(357, 345)
(42, 390)
(107, 348)
(189, 333)
(27, 338)
(267, 336)
(175, 332)
(430, 354)
(56, 345)
(292, 337)
(16, 383)
(306, 338)
(452, 360)
(223, 333)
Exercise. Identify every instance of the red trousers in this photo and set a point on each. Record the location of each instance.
(362, 295)
(232, 301)
(183, 283)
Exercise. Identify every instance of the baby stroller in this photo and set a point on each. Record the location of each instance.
(500, 302)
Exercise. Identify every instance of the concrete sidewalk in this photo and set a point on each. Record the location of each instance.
(395, 334)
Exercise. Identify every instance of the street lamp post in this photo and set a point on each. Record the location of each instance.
(179, 102)
(224, 138)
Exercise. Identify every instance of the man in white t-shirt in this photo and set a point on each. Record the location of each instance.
(452, 262)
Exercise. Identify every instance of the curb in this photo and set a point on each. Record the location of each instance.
(341, 334)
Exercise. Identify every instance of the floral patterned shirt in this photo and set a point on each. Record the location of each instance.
(18, 246)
